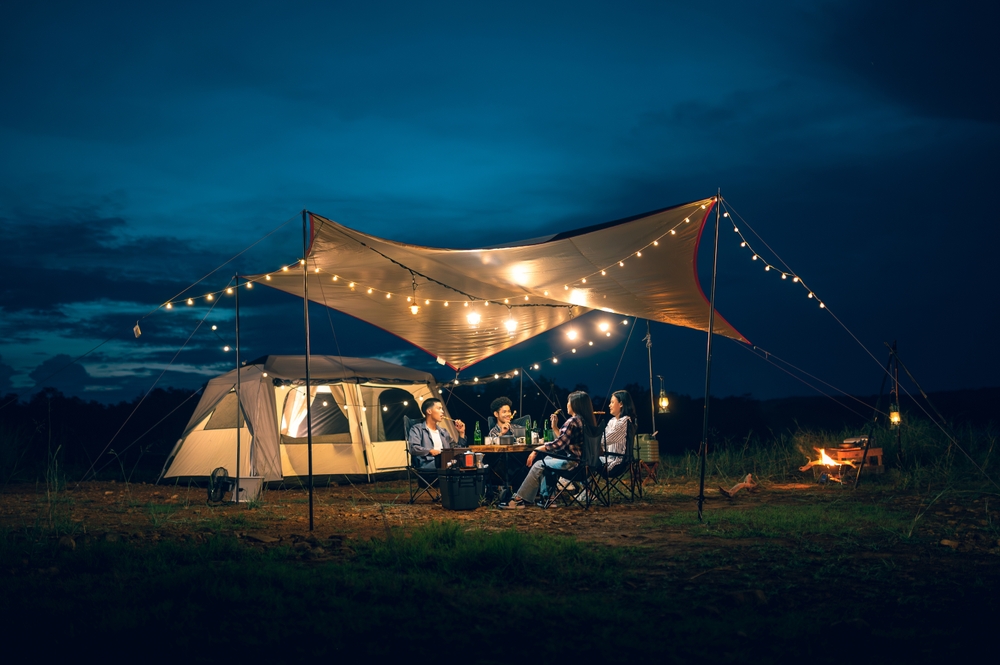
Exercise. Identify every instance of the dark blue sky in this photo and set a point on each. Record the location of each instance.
(140, 147)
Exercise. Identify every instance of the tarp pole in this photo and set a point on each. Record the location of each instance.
(305, 308)
(708, 357)
(652, 402)
(239, 404)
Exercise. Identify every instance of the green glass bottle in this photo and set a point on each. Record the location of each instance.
(477, 436)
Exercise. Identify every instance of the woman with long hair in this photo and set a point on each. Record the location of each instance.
(618, 429)
(568, 445)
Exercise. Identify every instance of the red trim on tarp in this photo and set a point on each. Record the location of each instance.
(697, 282)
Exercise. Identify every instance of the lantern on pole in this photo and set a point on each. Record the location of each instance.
(664, 403)
(894, 418)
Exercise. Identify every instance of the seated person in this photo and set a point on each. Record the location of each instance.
(616, 431)
(568, 444)
(426, 440)
(501, 408)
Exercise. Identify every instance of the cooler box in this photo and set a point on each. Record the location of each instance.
(461, 489)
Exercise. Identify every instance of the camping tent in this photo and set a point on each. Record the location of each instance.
(357, 408)
(466, 305)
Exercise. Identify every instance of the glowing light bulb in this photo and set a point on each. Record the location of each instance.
(603, 326)
(822, 305)
(265, 375)
(414, 309)
(511, 325)
(810, 294)
(621, 263)
(302, 262)
(703, 206)
(555, 361)
(249, 285)
(406, 403)
(625, 322)
(535, 366)
(486, 304)
(427, 302)
(767, 268)
(316, 270)
(687, 220)
(607, 334)
(169, 306)
(388, 295)
(496, 376)
(573, 350)
(285, 269)
(584, 280)
(673, 232)
(385, 408)
(725, 214)
(209, 297)
(515, 372)
(795, 279)
(505, 301)
(784, 276)
(268, 278)
(445, 303)
(475, 380)
(571, 334)
(229, 290)
(466, 304)
(325, 403)
(215, 327)
(525, 297)
(565, 287)
(335, 278)
(409, 299)
(656, 243)
(743, 244)
(456, 382)
(754, 257)
(369, 290)
(225, 348)
(190, 301)
(590, 343)
(473, 318)
(604, 272)
(736, 229)
(637, 254)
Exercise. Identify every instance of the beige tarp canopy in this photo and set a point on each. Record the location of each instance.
(474, 303)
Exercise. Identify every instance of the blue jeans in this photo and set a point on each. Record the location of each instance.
(536, 477)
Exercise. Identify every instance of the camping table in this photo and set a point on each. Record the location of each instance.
(506, 452)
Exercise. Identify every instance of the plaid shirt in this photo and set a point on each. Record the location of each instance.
(570, 439)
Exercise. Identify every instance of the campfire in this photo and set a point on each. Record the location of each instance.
(827, 469)
(845, 459)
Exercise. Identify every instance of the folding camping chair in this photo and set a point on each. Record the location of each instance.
(622, 478)
(585, 478)
(418, 480)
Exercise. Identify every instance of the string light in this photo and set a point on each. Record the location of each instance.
(249, 285)
(656, 243)
(637, 254)
(317, 270)
(209, 297)
(268, 278)
(673, 232)
(369, 290)
(229, 290)
(388, 295)
(473, 318)
(621, 263)
(190, 301)
(351, 286)
(335, 278)
(169, 306)
(215, 327)
(302, 262)
(225, 348)
(285, 269)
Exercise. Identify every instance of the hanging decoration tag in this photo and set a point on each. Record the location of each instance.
(135, 330)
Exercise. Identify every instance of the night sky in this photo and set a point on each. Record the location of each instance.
(142, 145)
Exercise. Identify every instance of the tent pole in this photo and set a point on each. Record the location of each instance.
(708, 358)
(652, 402)
(520, 393)
(239, 404)
(305, 315)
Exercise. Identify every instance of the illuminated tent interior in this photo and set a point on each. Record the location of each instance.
(463, 306)
(357, 406)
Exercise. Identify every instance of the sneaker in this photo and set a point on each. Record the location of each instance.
(514, 504)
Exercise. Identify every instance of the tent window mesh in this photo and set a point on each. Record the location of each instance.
(224, 416)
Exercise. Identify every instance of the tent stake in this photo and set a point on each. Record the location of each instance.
(305, 315)
(708, 358)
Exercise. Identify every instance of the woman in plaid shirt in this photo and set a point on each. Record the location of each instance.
(566, 449)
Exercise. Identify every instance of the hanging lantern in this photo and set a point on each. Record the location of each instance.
(663, 401)
(894, 418)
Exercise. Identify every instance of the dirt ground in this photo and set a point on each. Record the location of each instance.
(958, 521)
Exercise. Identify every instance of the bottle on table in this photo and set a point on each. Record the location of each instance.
(477, 436)
(549, 434)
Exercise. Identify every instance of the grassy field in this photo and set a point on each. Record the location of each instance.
(903, 568)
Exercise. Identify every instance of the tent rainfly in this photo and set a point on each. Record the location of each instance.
(357, 407)
(463, 306)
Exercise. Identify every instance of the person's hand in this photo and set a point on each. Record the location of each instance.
(460, 426)
(504, 428)
(435, 452)
(554, 419)
(531, 457)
